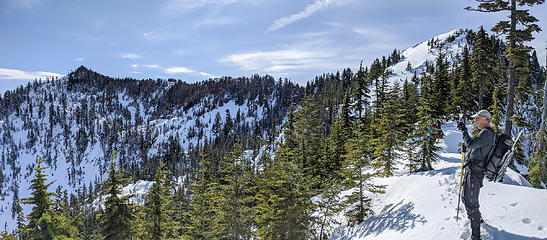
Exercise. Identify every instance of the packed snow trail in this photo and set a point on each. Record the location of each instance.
(423, 205)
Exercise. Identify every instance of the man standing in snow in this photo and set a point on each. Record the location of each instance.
(474, 164)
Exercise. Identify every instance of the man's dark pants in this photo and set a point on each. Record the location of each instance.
(472, 184)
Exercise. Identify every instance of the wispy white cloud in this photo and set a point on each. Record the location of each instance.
(208, 75)
(174, 70)
(175, 7)
(317, 5)
(6, 73)
(131, 56)
(151, 66)
(171, 70)
(280, 60)
(79, 59)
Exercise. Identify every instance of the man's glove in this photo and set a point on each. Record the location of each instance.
(462, 127)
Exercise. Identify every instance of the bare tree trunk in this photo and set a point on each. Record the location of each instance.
(511, 82)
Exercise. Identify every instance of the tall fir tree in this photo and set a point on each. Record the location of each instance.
(538, 163)
(159, 222)
(518, 30)
(495, 109)
(203, 214)
(284, 194)
(46, 221)
(334, 144)
(182, 209)
(409, 102)
(390, 126)
(119, 215)
(308, 133)
(355, 176)
(234, 215)
(39, 226)
(440, 87)
(361, 91)
(423, 144)
(40, 220)
(481, 65)
(537, 79)
(464, 96)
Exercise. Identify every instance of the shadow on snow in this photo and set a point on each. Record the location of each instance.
(398, 217)
(498, 234)
(443, 171)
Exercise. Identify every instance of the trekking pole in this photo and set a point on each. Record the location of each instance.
(461, 178)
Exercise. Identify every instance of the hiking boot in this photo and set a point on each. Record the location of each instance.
(476, 237)
(476, 230)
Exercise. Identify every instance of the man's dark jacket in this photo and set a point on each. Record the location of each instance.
(479, 148)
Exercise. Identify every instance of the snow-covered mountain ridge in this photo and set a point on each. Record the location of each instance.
(74, 123)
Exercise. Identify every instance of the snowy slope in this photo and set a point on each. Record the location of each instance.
(451, 44)
(423, 205)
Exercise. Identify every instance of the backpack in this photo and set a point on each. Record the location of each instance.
(499, 157)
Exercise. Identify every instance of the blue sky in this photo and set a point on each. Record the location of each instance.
(194, 40)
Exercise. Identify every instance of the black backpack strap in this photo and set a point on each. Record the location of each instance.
(489, 156)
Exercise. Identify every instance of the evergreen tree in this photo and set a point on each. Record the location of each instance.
(425, 152)
(495, 110)
(409, 102)
(328, 206)
(516, 52)
(440, 87)
(66, 220)
(308, 133)
(389, 125)
(182, 210)
(39, 225)
(465, 95)
(234, 216)
(202, 215)
(284, 207)
(358, 158)
(361, 92)
(117, 220)
(159, 222)
(334, 144)
(538, 163)
(537, 79)
(44, 221)
(482, 67)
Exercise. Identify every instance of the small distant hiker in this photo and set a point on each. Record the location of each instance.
(434, 129)
(474, 167)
